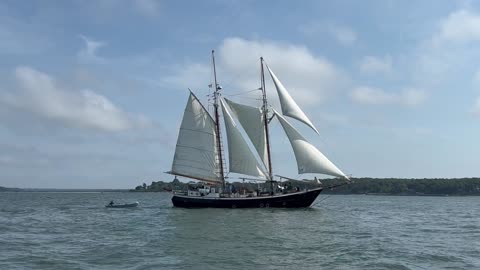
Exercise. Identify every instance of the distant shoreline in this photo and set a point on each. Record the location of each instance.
(361, 186)
(47, 190)
(439, 187)
(6, 189)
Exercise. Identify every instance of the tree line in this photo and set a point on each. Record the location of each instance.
(390, 186)
(398, 186)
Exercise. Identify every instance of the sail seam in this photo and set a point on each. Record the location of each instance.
(200, 168)
(196, 148)
(193, 130)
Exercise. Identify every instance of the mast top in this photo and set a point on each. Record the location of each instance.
(217, 124)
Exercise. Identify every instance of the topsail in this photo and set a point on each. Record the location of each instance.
(289, 106)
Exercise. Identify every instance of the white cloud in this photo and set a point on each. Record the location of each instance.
(88, 54)
(412, 96)
(334, 119)
(40, 95)
(461, 26)
(375, 96)
(310, 79)
(150, 8)
(449, 53)
(476, 79)
(372, 64)
(368, 95)
(342, 34)
(191, 75)
(476, 108)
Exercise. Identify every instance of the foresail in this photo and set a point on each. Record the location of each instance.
(251, 119)
(309, 158)
(195, 153)
(241, 159)
(289, 106)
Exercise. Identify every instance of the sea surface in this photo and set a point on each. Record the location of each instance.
(41, 230)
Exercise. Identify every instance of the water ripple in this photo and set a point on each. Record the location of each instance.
(75, 231)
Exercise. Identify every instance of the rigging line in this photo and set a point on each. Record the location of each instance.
(326, 149)
(236, 76)
(243, 92)
(251, 98)
(330, 187)
(326, 197)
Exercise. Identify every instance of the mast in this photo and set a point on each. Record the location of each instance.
(265, 120)
(217, 122)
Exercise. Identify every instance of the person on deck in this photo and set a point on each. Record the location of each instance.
(111, 203)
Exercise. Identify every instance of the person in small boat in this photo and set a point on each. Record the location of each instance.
(111, 203)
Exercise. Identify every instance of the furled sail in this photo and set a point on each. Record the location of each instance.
(289, 106)
(309, 158)
(195, 153)
(241, 159)
(251, 119)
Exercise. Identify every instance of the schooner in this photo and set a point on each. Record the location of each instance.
(199, 151)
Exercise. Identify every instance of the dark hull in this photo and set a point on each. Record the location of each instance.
(128, 205)
(292, 200)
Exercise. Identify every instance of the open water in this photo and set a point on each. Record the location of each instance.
(76, 231)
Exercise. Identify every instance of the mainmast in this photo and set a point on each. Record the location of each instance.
(265, 120)
(216, 94)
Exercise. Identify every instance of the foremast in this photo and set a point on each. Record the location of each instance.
(265, 122)
(216, 95)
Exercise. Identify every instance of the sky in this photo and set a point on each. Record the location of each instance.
(92, 92)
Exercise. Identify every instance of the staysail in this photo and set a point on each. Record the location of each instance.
(289, 106)
(195, 153)
(241, 159)
(251, 119)
(309, 158)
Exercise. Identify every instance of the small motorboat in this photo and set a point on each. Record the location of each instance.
(125, 205)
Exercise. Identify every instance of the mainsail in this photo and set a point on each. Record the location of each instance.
(309, 158)
(289, 106)
(251, 119)
(240, 158)
(195, 153)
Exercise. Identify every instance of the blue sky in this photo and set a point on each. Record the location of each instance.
(92, 92)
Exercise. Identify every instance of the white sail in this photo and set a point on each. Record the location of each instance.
(251, 119)
(195, 153)
(289, 106)
(241, 159)
(309, 158)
